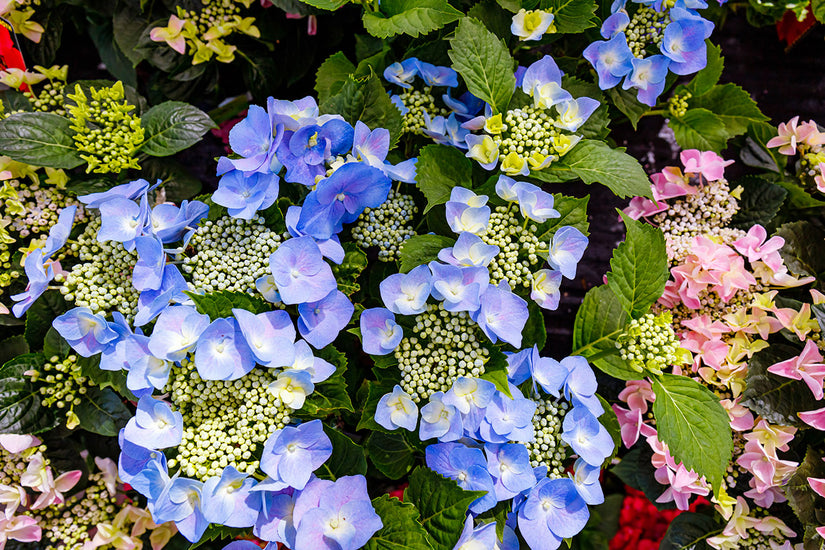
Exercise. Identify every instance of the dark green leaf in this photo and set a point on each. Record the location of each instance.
(422, 249)
(116, 62)
(21, 411)
(102, 411)
(798, 198)
(801, 497)
(709, 76)
(54, 344)
(802, 251)
(347, 457)
(818, 8)
(443, 506)
(332, 75)
(484, 62)
(688, 530)
(626, 102)
(700, 129)
(690, 419)
(330, 395)
(348, 271)
(218, 532)
(759, 202)
(401, 530)
(173, 126)
(572, 211)
(90, 368)
(40, 315)
(391, 454)
(221, 303)
(374, 392)
(330, 5)
(41, 139)
(495, 370)
(571, 16)
(535, 331)
(364, 99)
(639, 267)
(733, 105)
(755, 151)
(438, 170)
(412, 17)
(611, 423)
(178, 182)
(494, 18)
(13, 346)
(635, 470)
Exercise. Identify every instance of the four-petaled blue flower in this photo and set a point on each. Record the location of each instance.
(291, 454)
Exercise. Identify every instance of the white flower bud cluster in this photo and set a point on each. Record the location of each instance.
(417, 102)
(13, 466)
(224, 422)
(548, 449)
(43, 205)
(704, 213)
(102, 281)
(519, 246)
(49, 99)
(62, 382)
(386, 227)
(527, 131)
(647, 27)
(446, 345)
(68, 525)
(230, 254)
(649, 343)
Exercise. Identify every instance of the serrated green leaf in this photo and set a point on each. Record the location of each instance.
(639, 267)
(694, 425)
(626, 102)
(366, 100)
(484, 62)
(332, 75)
(700, 129)
(798, 197)
(801, 497)
(422, 249)
(401, 530)
(102, 411)
(172, 127)
(40, 139)
(54, 344)
(90, 368)
(755, 151)
(595, 162)
(709, 76)
(535, 331)
(438, 170)
(40, 315)
(348, 271)
(611, 423)
(802, 251)
(495, 371)
(494, 18)
(636, 470)
(216, 532)
(347, 457)
(759, 202)
(221, 303)
(572, 211)
(412, 17)
(733, 105)
(442, 504)
(818, 8)
(330, 5)
(688, 530)
(571, 16)
(21, 411)
(391, 453)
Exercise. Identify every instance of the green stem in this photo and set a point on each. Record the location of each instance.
(654, 112)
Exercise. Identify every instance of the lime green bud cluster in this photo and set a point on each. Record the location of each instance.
(649, 343)
(678, 104)
(528, 132)
(446, 345)
(548, 448)
(230, 254)
(62, 385)
(224, 422)
(647, 28)
(386, 227)
(106, 134)
(49, 99)
(204, 30)
(102, 281)
(418, 102)
(68, 525)
(706, 212)
(519, 248)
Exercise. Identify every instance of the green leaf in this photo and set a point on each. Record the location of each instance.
(41, 139)
(710, 75)
(54, 344)
(599, 322)
(535, 331)
(422, 249)
(755, 151)
(776, 398)
(626, 102)
(332, 75)
(798, 197)
(330, 5)
(401, 530)
(216, 532)
(484, 62)
(172, 127)
(818, 8)
(494, 18)
(700, 129)
(391, 453)
(690, 419)
(732, 105)
(802, 251)
(221, 303)
(90, 368)
(595, 162)
(759, 202)
(688, 530)
(801, 497)
(636, 470)
(572, 211)
(375, 390)
(330, 395)
(438, 170)
(13, 346)
(40, 315)
(571, 16)
(412, 17)
(366, 100)
(443, 506)
(611, 423)
(348, 271)
(21, 411)
(639, 267)
(101, 411)
(347, 457)
(495, 371)
(178, 182)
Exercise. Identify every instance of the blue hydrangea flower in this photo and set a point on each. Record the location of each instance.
(433, 75)
(510, 467)
(542, 81)
(507, 419)
(88, 333)
(611, 59)
(144, 469)
(468, 467)
(256, 139)
(170, 223)
(275, 519)
(330, 248)
(304, 151)
(552, 512)
(460, 288)
(148, 271)
(502, 314)
(243, 195)
(483, 149)
(222, 353)
(467, 211)
(440, 420)
(482, 537)
(520, 364)
(300, 271)
(586, 478)
(59, 232)
(683, 41)
(446, 131)
(566, 250)
(648, 76)
(320, 322)
(545, 288)
(181, 502)
(372, 147)
(467, 393)
(39, 276)
(534, 203)
(291, 454)
(380, 334)
(402, 73)
(292, 387)
(465, 107)
(154, 426)
(587, 437)
(123, 221)
(176, 332)
(229, 500)
(397, 410)
(129, 191)
(574, 112)
(407, 293)
(152, 302)
(270, 336)
(469, 251)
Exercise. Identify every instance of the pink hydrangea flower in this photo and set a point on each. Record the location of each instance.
(815, 419)
(682, 483)
(705, 163)
(637, 394)
(819, 179)
(19, 528)
(773, 438)
(755, 247)
(791, 134)
(741, 418)
(807, 366)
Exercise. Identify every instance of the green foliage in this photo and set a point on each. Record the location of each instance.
(102, 411)
(40, 139)
(572, 211)
(571, 16)
(172, 127)
(54, 344)
(443, 506)
(438, 170)
(495, 371)
(216, 532)
(818, 8)
(806, 504)
(348, 271)
(802, 251)
(756, 153)
(401, 530)
(330, 396)
(639, 267)
(90, 368)
(626, 102)
(40, 315)
(759, 202)
(484, 62)
(688, 529)
(391, 453)
(700, 129)
(635, 470)
(347, 457)
(221, 303)
(13, 346)
(708, 77)
(375, 390)
(422, 249)
(732, 105)
(21, 411)
(412, 17)
(331, 75)
(330, 5)
(690, 419)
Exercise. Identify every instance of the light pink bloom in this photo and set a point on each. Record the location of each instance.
(755, 247)
(815, 418)
(790, 136)
(108, 468)
(819, 179)
(740, 521)
(39, 476)
(741, 418)
(16, 444)
(681, 484)
(813, 136)
(20, 528)
(808, 366)
(766, 498)
(637, 393)
(770, 524)
(768, 470)
(11, 497)
(773, 438)
(671, 183)
(706, 163)
(818, 485)
(641, 207)
(630, 421)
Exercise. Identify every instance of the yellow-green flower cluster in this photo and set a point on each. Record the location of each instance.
(106, 133)
(202, 32)
(647, 27)
(446, 345)
(649, 344)
(102, 281)
(678, 104)
(386, 227)
(224, 422)
(417, 102)
(519, 247)
(62, 384)
(548, 448)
